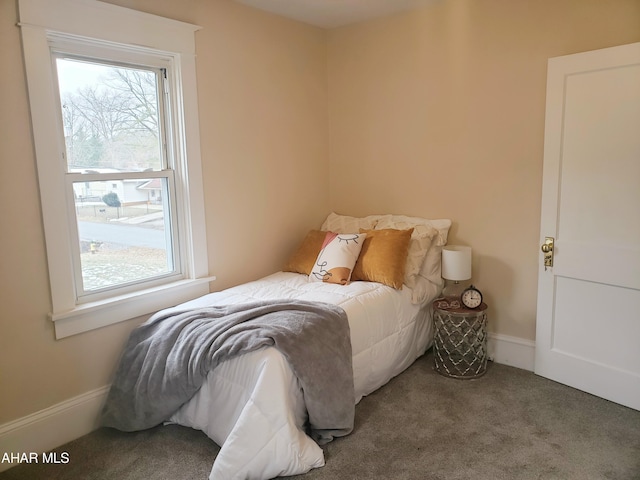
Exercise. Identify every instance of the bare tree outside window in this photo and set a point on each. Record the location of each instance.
(110, 116)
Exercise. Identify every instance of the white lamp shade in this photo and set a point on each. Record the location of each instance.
(456, 263)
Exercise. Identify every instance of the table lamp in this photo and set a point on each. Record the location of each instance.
(456, 267)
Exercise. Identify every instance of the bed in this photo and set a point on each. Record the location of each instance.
(253, 406)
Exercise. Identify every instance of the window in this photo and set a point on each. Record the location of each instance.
(115, 123)
(120, 176)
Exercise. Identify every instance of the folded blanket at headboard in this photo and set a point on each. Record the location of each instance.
(168, 357)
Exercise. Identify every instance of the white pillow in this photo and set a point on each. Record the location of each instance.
(346, 224)
(337, 258)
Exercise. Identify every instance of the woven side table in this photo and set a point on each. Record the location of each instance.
(460, 339)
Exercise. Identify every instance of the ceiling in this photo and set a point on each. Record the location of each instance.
(335, 13)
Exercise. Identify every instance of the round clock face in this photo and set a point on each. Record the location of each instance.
(471, 297)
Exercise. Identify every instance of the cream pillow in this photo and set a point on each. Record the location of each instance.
(430, 276)
(337, 258)
(346, 224)
(383, 257)
(432, 266)
(399, 221)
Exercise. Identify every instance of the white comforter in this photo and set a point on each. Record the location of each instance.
(252, 405)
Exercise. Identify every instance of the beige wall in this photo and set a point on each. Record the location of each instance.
(437, 113)
(440, 113)
(263, 110)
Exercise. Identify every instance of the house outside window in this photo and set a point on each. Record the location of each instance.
(120, 176)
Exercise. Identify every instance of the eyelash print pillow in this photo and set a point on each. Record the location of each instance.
(337, 257)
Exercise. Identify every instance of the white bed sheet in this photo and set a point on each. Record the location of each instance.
(252, 405)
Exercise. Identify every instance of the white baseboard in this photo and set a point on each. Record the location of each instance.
(54, 426)
(513, 351)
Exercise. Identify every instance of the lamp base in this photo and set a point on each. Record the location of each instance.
(453, 290)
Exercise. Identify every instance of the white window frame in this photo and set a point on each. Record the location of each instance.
(43, 22)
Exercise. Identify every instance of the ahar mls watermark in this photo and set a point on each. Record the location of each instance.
(34, 457)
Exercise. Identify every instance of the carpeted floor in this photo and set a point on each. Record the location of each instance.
(508, 424)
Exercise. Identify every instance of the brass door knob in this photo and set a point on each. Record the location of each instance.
(547, 248)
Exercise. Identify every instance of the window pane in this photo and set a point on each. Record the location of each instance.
(110, 117)
(124, 232)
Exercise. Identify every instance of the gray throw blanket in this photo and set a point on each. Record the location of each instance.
(167, 359)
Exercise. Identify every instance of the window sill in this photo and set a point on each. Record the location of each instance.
(90, 316)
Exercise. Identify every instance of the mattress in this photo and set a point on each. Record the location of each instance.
(252, 405)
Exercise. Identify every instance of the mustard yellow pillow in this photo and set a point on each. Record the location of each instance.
(383, 257)
(304, 257)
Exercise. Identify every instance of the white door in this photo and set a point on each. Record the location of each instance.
(588, 321)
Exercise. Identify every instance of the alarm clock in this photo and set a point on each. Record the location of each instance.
(471, 297)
